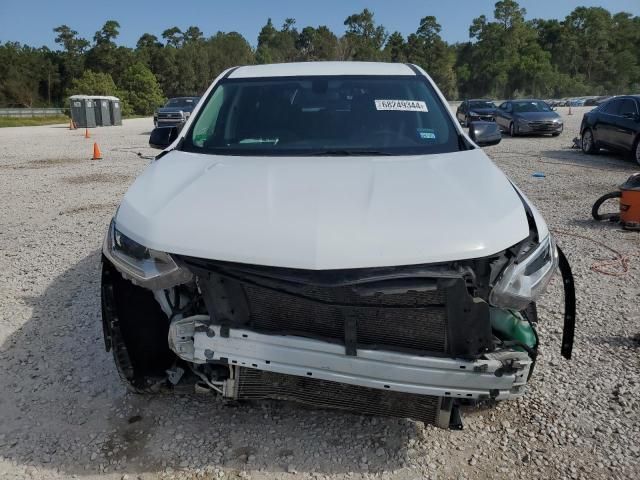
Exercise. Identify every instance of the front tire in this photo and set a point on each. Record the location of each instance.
(512, 130)
(135, 330)
(635, 152)
(588, 142)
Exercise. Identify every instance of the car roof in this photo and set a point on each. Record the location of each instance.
(320, 69)
(479, 100)
(181, 98)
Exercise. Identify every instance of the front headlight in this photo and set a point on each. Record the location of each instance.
(143, 266)
(523, 282)
(474, 114)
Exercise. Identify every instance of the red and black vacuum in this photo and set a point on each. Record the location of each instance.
(629, 195)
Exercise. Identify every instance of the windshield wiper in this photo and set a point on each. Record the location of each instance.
(345, 153)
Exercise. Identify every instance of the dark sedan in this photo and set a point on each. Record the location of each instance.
(614, 125)
(528, 117)
(473, 110)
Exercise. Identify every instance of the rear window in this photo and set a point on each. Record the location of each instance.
(336, 115)
(481, 104)
(182, 102)
(530, 106)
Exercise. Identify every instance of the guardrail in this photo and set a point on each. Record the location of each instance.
(31, 112)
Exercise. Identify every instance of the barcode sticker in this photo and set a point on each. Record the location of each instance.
(402, 105)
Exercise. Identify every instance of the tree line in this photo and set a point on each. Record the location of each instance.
(590, 52)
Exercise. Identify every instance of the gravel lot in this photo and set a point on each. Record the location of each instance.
(65, 414)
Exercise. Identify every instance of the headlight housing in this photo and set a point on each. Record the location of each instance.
(523, 282)
(143, 266)
(474, 114)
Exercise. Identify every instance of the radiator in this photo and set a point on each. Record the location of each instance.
(260, 385)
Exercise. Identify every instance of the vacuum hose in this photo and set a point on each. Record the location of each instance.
(612, 217)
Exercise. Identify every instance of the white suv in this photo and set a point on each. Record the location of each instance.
(327, 233)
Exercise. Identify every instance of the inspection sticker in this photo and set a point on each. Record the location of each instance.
(402, 105)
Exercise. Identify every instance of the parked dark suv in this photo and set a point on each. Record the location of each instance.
(473, 110)
(175, 111)
(613, 125)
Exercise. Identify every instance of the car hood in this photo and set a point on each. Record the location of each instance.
(538, 116)
(324, 212)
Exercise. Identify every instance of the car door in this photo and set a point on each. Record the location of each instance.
(461, 112)
(503, 117)
(605, 126)
(626, 124)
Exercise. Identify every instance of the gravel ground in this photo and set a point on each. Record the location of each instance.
(65, 414)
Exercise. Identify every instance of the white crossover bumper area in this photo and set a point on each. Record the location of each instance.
(500, 375)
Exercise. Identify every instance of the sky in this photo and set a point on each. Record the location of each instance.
(31, 22)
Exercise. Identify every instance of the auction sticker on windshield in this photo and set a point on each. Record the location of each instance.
(402, 105)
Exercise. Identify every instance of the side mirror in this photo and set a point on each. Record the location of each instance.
(162, 137)
(554, 108)
(485, 133)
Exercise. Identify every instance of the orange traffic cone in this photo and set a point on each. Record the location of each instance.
(71, 125)
(97, 154)
(86, 133)
(570, 113)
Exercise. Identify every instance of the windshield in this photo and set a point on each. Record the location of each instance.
(182, 102)
(336, 115)
(530, 106)
(481, 104)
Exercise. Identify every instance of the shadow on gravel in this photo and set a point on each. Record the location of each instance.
(605, 160)
(64, 409)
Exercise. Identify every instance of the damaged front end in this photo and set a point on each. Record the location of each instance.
(409, 341)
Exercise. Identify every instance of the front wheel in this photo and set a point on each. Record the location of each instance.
(512, 130)
(636, 151)
(588, 142)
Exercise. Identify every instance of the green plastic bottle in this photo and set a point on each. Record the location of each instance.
(510, 325)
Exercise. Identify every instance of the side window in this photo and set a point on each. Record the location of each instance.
(611, 107)
(508, 107)
(503, 106)
(206, 124)
(628, 107)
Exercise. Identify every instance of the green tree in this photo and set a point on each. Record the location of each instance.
(395, 49)
(173, 36)
(427, 49)
(140, 90)
(72, 60)
(93, 83)
(276, 46)
(364, 38)
(316, 44)
(192, 35)
(507, 57)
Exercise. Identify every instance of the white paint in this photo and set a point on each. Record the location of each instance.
(322, 68)
(324, 212)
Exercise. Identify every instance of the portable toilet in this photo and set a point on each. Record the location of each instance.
(83, 112)
(115, 109)
(103, 111)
